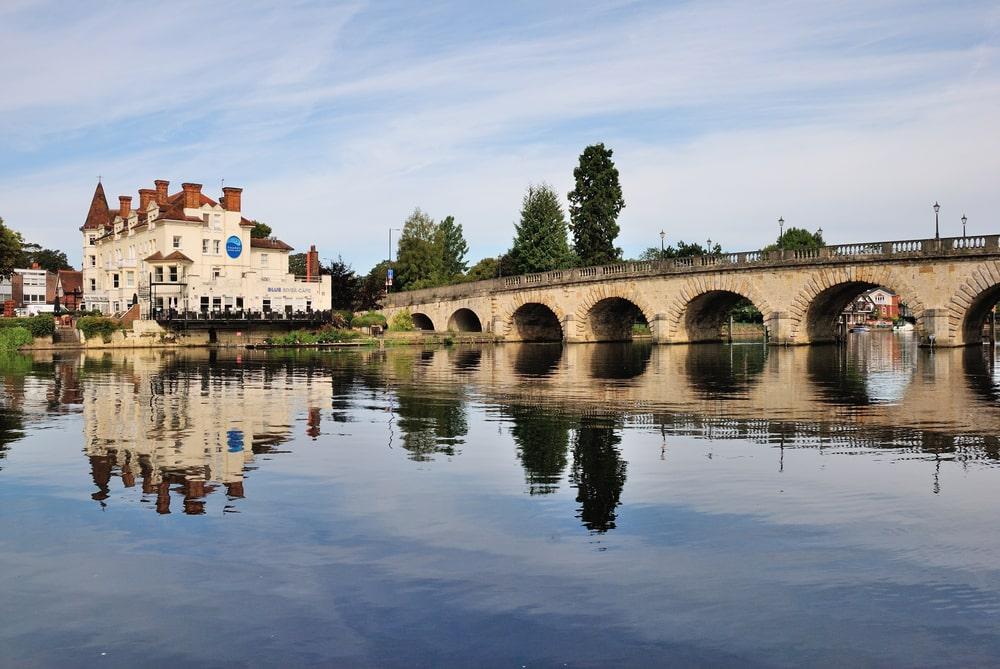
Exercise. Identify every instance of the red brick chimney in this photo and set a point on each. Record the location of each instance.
(312, 263)
(231, 198)
(146, 195)
(124, 205)
(192, 195)
(161, 191)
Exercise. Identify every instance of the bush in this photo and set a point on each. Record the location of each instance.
(402, 321)
(91, 326)
(368, 320)
(42, 325)
(305, 337)
(12, 338)
(341, 318)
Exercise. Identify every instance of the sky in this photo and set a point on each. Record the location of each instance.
(338, 119)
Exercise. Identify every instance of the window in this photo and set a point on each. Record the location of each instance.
(263, 259)
(216, 272)
(158, 273)
(177, 241)
(173, 273)
(204, 304)
(93, 261)
(204, 246)
(114, 280)
(217, 246)
(91, 239)
(267, 306)
(239, 303)
(216, 304)
(93, 284)
(129, 279)
(216, 222)
(204, 217)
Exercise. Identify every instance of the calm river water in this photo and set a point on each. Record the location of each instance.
(517, 505)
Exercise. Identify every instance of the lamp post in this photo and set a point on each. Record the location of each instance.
(781, 232)
(964, 221)
(708, 251)
(663, 251)
(391, 230)
(937, 229)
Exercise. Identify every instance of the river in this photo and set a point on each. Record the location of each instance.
(510, 505)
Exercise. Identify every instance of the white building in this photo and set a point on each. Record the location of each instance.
(189, 253)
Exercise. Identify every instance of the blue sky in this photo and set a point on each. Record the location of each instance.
(339, 119)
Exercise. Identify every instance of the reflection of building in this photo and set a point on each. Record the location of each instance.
(189, 252)
(873, 305)
(191, 429)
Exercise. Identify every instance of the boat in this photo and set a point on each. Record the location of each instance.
(859, 328)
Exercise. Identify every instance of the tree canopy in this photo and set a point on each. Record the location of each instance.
(797, 239)
(260, 230)
(418, 255)
(453, 249)
(682, 250)
(540, 237)
(595, 203)
(10, 250)
(345, 285)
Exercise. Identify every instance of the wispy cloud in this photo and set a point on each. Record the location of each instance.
(339, 119)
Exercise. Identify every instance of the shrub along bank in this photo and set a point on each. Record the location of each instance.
(92, 326)
(43, 325)
(12, 338)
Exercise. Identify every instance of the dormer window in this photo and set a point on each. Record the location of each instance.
(204, 217)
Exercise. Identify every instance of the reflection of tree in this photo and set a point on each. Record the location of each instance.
(599, 474)
(430, 424)
(542, 438)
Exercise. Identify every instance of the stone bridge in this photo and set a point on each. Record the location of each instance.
(950, 286)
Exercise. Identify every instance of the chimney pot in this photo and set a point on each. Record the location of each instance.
(161, 191)
(124, 205)
(231, 198)
(192, 195)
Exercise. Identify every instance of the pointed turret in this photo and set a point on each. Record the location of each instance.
(99, 214)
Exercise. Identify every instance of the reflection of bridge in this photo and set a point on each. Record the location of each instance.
(950, 286)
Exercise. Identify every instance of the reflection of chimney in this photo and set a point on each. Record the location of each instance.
(235, 489)
(163, 498)
(161, 191)
(124, 205)
(313, 422)
(146, 195)
(192, 195)
(231, 198)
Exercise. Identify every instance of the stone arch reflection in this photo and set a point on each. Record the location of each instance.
(536, 360)
(724, 372)
(467, 359)
(616, 360)
(981, 374)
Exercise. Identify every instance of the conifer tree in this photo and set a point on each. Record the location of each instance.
(453, 249)
(540, 240)
(595, 203)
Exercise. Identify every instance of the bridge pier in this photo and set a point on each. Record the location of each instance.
(658, 329)
(779, 329)
(570, 334)
(935, 331)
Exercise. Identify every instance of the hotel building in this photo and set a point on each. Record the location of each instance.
(189, 253)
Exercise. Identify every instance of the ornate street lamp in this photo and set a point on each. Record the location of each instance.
(964, 220)
(663, 251)
(781, 232)
(937, 228)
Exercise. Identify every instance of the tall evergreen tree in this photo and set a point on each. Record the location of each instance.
(344, 284)
(10, 250)
(540, 240)
(453, 249)
(594, 206)
(418, 259)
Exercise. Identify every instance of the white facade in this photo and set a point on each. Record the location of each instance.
(192, 254)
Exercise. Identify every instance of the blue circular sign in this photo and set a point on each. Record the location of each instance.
(234, 247)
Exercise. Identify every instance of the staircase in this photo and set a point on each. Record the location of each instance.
(66, 336)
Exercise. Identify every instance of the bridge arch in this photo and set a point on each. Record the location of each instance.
(465, 320)
(533, 317)
(607, 314)
(422, 321)
(970, 306)
(816, 310)
(702, 306)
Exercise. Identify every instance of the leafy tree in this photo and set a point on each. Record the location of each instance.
(10, 250)
(453, 249)
(540, 238)
(682, 250)
(47, 259)
(482, 270)
(372, 288)
(418, 259)
(345, 285)
(594, 206)
(599, 474)
(260, 230)
(297, 264)
(797, 239)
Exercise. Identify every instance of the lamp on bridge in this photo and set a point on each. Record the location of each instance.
(781, 232)
(964, 220)
(937, 229)
(663, 251)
